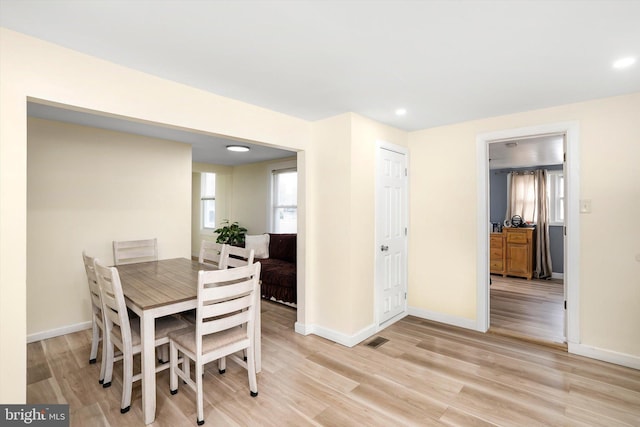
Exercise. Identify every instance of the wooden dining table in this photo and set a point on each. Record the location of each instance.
(160, 288)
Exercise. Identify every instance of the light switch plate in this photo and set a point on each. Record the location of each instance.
(585, 206)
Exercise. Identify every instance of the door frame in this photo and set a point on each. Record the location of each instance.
(572, 220)
(382, 145)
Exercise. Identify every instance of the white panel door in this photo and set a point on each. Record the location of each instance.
(391, 238)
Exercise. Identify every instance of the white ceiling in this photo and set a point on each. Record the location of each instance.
(444, 61)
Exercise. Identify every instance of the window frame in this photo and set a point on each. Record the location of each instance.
(205, 198)
(275, 170)
(556, 196)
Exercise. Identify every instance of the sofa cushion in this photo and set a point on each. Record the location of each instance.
(259, 243)
(283, 247)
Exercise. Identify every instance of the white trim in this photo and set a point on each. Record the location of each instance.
(394, 319)
(482, 242)
(572, 220)
(405, 152)
(557, 276)
(435, 316)
(335, 336)
(609, 356)
(52, 333)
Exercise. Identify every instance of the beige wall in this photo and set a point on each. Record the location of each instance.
(442, 251)
(341, 205)
(30, 68)
(251, 195)
(86, 188)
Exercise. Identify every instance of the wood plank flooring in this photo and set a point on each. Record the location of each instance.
(427, 374)
(528, 309)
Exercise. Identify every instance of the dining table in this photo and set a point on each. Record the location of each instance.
(161, 288)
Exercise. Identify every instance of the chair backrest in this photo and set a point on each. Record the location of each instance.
(113, 305)
(237, 257)
(212, 252)
(132, 251)
(226, 299)
(94, 288)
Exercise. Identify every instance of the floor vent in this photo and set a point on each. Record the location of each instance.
(377, 342)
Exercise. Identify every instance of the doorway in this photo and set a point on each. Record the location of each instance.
(571, 221)
(526, 262)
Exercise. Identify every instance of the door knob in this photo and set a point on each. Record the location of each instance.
(384, 248)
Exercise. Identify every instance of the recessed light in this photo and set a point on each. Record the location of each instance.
(624, 62)
(238, 148)
(401, 111)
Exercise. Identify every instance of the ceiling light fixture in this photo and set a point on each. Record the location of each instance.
(624, 62)
(401, 111)
(238, 148)
(511, 144)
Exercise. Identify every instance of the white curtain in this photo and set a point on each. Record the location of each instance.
(522, 196)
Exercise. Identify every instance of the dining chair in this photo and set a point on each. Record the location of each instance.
(97, 320)
(124, 333)
(234, 257)
(132, 251)
(226, 314)
(212, 252)
(237, 257)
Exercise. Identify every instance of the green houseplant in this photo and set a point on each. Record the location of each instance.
(230, 233)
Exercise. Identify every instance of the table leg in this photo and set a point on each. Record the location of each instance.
(148, 333)
(258, 335)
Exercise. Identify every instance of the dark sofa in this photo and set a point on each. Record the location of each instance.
(278, 272)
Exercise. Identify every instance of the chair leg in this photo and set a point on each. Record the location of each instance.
(108, 362)
(103, 363)
(251, 370)
(127, 380)
(222, 365)
(199, 394)
(173, 375)
(162, 353)
(95, 337)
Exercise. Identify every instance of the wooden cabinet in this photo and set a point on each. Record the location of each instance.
(519, 252)
(512, 252)
(496, 253)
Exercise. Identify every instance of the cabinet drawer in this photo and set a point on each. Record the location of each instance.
(495, 242)
(495, 253)
(495, 265)
(515, 237)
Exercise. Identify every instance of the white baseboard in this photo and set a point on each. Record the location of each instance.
(622, 359)
(461, 322)
(337, 337)
(39, 336)
(557, 276)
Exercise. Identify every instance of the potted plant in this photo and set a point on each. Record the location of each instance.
(230, 233)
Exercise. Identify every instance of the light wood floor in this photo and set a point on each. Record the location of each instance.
(427, 374)
(528, 309)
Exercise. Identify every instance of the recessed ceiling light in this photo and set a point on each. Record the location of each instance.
(401, 111)
(624, 62)
(238, 148)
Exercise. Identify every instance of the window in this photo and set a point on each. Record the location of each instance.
(284, 195)
(208, 200)
(555, 187)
